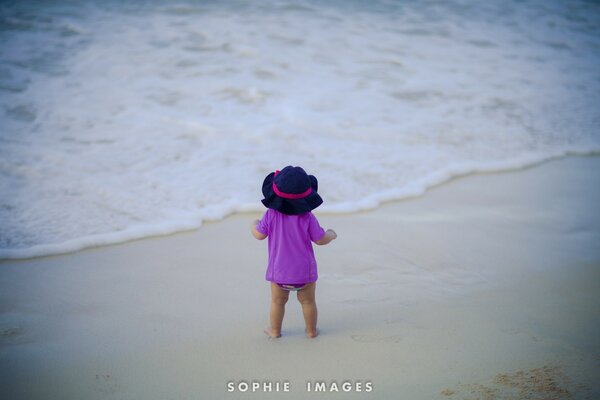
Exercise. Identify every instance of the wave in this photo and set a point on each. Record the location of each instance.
(416, 189)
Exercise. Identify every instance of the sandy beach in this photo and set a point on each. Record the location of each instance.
(485, 287)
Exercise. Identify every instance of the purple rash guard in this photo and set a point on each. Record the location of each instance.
(291, 256)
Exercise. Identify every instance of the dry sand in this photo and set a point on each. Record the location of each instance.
(487, 287)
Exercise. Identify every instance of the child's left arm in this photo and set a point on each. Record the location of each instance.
(255, 232)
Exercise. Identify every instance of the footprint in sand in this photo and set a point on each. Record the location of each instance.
(10, 332)
(391, 321)
(376, 339)
(515, 331)
(105, 383)
(510, 331)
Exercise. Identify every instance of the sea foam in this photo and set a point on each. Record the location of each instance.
(122, 121)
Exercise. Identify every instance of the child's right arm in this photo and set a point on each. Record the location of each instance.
(327, 237)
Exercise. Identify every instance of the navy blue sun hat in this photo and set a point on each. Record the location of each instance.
(291, 191)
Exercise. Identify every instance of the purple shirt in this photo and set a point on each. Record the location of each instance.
(291, 256)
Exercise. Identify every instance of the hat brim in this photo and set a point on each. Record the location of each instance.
(290, 206)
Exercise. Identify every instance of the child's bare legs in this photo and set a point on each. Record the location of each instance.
(279, 297)
(306, 297)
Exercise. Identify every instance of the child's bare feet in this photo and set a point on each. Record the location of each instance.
(312, 335)
(269, 332)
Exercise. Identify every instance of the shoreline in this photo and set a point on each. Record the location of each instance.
(369, 204)
(481, 287)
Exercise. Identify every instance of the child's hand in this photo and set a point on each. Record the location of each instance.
(327, 237)
(255, 233)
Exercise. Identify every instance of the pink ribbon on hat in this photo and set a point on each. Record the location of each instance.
(291, 196)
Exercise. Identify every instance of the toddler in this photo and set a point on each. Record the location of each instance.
(290, 195)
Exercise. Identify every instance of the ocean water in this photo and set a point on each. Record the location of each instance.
(120, 120)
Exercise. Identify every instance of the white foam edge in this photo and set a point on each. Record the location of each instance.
(218, 212)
